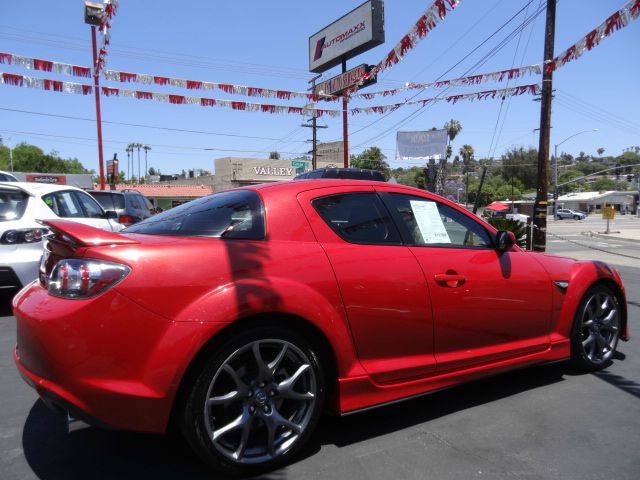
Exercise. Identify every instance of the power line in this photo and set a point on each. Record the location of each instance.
(142, 125)
(184, 147)
(479, 63)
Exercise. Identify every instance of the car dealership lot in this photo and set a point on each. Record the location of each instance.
(543, 422)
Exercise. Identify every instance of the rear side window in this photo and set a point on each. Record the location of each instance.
(109, 201)
(358, 218)
(12, 204)
(233, 214)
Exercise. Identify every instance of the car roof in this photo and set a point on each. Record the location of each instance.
(38, 189)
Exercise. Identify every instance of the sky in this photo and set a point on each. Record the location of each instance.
(265, 44)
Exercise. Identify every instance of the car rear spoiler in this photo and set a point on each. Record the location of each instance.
(84, 235)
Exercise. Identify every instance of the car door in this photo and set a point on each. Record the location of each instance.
(487, 305)
(382, 286)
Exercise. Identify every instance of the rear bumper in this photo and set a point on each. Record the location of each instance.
(106, 360)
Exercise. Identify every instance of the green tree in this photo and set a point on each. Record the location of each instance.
(274, 156)
(453, 128)
(521, 164)
(600, 151)
(466, 152)
(373, 159)
(30, 158)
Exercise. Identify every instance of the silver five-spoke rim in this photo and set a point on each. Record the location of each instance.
(600, 327)
(260, 401)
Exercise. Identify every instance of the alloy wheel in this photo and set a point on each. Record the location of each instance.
(260, 401)
(600, 325)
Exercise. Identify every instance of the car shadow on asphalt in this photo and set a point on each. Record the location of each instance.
(52, 453)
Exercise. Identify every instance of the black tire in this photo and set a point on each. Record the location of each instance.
(577, 217)
(559, 217)
(596, 329)
(262, 407)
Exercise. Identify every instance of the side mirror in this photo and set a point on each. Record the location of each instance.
(505, 240)
(111, 214)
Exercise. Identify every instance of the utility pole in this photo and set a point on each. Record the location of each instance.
(314, 126)
(540, 207)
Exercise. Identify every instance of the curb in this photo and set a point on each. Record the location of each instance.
(609, 236)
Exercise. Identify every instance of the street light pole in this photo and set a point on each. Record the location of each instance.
(555, 169)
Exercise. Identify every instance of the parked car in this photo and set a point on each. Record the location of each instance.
(241, 316)
(7, 177)
(21, 206)
(563, 213)
(131, 206)
(342, 173)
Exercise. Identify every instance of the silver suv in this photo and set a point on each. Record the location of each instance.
(131, 206)
(563, 213)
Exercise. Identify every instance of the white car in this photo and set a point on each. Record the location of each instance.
(21, 204)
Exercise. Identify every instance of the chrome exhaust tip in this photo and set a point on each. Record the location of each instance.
(73, 424)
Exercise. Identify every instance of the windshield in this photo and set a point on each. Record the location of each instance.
(12, 204)
(231, 214)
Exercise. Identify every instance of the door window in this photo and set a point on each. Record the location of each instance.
(90, 206)
(358, 218)
(429, 223)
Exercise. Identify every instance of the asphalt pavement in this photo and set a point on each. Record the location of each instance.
(546, 422)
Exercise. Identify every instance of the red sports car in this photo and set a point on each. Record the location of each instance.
(243, 315)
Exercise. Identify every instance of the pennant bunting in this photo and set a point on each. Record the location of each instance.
(499, 76)
(69, 87)
(45, 65)
(427, 22)
(617, 21)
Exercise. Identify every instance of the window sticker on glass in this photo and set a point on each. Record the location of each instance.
(429, 222)
(70, 204)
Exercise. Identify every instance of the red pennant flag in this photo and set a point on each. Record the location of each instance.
(43, 65)
(268, 108)
(81, 71)
(11, 79)
(442, 8)
(160, 80)
(614, 22)
(194, 85)
(405, 45)
(177, 99)
(53, 84)
(295, 110)
(127, 77)
(207, 102)
(239, 105)
(6, 58)
(87, 89)
(283, 95)
(144, 95)
(590, 39)
(254, 92)
(226, 87)
(108, 91)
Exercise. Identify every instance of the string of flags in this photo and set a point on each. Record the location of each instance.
(110, 9)
(427, 22)
(77, 88)
(617, 21)
(147, 79)
(499, 76)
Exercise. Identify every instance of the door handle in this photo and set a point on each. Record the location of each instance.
(450, 280)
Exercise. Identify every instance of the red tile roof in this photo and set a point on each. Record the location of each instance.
(161, 190)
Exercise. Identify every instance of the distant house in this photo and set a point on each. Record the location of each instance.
(624, 202)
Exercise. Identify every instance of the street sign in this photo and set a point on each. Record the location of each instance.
(339, 83)
(298, 164)
(608, 212)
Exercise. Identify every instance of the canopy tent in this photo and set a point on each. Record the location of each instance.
(498, 206)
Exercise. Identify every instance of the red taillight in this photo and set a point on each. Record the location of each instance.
(125, 219)
(84, 278)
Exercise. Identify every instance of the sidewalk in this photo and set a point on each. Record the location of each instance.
(627, 234)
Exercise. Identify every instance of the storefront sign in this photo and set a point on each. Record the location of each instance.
(51, 179)
(274, 171)
(335, 85)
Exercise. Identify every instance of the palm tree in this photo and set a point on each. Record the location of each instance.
(130, 159)
(138, 146)
(466, 152)
(600, 151)
(146, 149)
(453, 128)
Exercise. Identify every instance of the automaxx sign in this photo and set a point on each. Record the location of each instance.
(354, 33)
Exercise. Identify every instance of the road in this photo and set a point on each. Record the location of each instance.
(547, 422)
